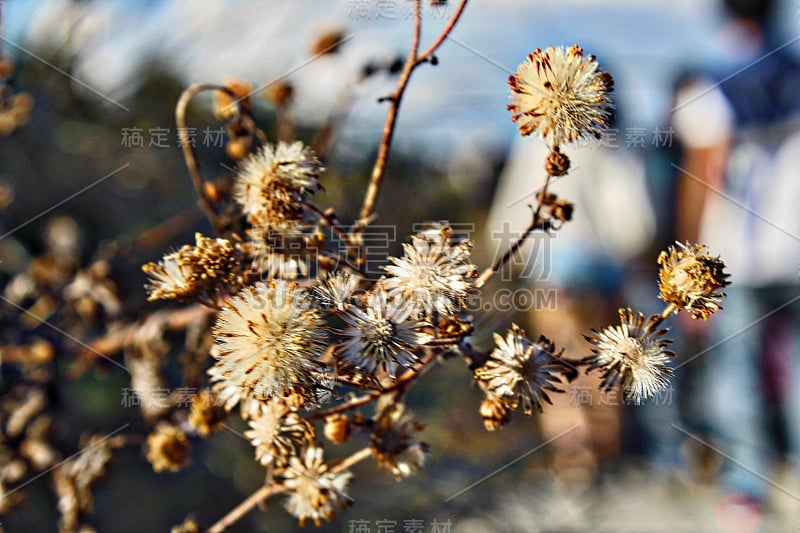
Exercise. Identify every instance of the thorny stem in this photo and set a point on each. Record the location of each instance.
(536, 222)
(189, 153)
(266, 491)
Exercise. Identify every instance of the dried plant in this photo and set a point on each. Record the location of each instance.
(302, 335)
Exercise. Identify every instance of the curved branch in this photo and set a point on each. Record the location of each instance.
(428, 53)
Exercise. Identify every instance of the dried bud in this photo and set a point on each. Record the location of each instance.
(557, 163)
(226, 105)
(207, 414)
(167, 448)
(562, 210)
(328, 42)
(337, 428)
(279, 93)
(494, 413)
(239, 147)
(692, 280)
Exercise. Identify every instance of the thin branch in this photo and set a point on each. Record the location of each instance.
(379, 169)
(189, 153)
(427, 54)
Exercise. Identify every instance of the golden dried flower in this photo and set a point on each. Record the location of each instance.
(314, 491)
(209, 270)
(337, 428)
(336, 290)
(380, 336)
(269, 341)
(434, 275)
(520, 372)
(206, 414)
(393, 441)
(494, 413)
(561, 94)
(273, 183)
(167, 448)
(557, 162)
(633, 354)
(276, 432)
(691, 279)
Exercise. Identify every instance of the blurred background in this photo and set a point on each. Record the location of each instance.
(94, 172)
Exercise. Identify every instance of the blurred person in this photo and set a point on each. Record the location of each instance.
(739, 124)
(583, 264)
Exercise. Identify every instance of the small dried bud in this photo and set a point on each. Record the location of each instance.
(557, 163)
(207, 414)
(279, 93)
(337, 428)
(239, 147)
(562, 210)
(167, 448)
(328, 42)
(226, 105)
(494, 413)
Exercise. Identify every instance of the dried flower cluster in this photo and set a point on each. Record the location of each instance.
(692, 280)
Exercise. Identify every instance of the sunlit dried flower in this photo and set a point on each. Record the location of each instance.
(206, 414)
(494, 413)
(208, 270)
(167, 448)
(277, 431)
(434, 274)
(560, 93)
(336, 290)
(691, 279)
(273, 183)
(520, 372)
(337, 428)
(269, 340)
(632, 354)
(394, 444)
(381, 335)
(314, 491)
(281, 249)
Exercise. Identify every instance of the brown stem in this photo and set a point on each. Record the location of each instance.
(427, 54)
(266, 491)
(379, 169)
(189, 153)
(665, 314)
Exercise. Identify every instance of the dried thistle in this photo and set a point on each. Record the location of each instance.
(561, 94)
(167, 448)
(314, 491)
(393, 441)
(520, 372)
(269, 340)
(633, 354)
(692, 280)
(277, 431)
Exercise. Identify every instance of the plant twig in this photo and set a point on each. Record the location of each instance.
(428, 54)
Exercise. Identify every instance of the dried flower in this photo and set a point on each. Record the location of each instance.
(269, 340)
(273, 183)
(434, 274)
(206, 414)
(393, 441)
(209, 270)
(276, 432)
(381, 335)
(314, 491)
(494, 413)
(167, 448)
(632, 353)
(560, 93)
(692, 280)
(337, 289)
(227, 105)
(519, 372)
(557, 162)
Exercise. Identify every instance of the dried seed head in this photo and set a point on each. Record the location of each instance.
(520, 372)
(557, 162)
(314, 491)
(227, 105)
(393, 441)
(167, 448)
(561, 210)
(633, 354)
(277, 431)
(561, 94)
(207, 413)
(692, 280)
(337, 428)
(279, 93)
